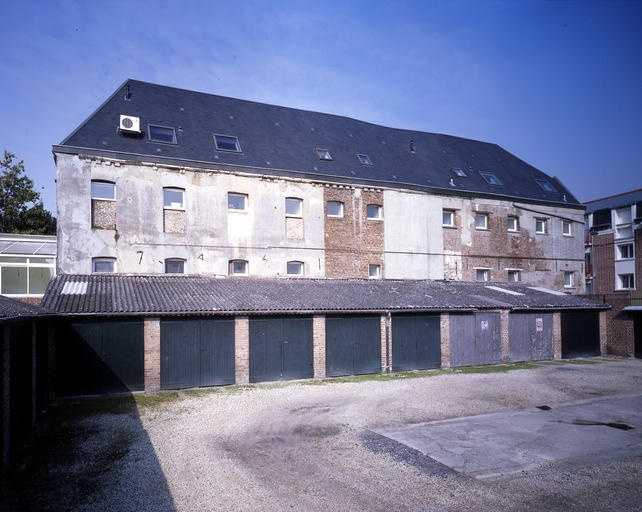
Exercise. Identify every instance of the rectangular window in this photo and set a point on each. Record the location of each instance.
(323, 154)
(458, 172)
(335, 209)
(293, 207)
(237, 202)
(374, 271)
(626, 282)
(295, 268)
(625, 251)
(174, 198)
(568, 279)
(103, 265)
(567, 229)
(161, 134)
(226, 143)
(374, 212)
(540, 226)
(546, 186)
(25, 276)
(481, 221)
(490, 178)
(482, 274)
(174, 266)
(364, 159)
(103, 190)
(448, 218)
(513, 276)
(239, 268)
(513, 224)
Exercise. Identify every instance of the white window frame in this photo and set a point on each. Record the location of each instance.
(374, 271)
(630, 250)
(96, 197)
(448, 218)
(290, 203)
(175, 260)
(569, 280)
(484, 273)
(340, 215)
(26, 263)
(230, 206)
(323, 154)
(484, 218)
(377, 208)
(234, 268)
(220, 138)
(295, 265)
(514, 229)
(515, 273)
(103, 259)
(541, 230)
(173, 205)
(629, 277)
(567, 224)
(151, 127)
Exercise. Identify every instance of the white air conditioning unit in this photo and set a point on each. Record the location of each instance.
(129, 124)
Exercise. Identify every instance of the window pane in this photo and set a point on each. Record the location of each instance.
(324, 154)
(546, 185)
(161, 134)
(482, 275)
(568, 279)
(513, 276)
(293, 206)
(540, 226)
(364, 159)
(566, 227)
(373, 211)
(481, 221)
(295, 268)
(512, 223)
(174, 266)
(173, 197)
(226, 143)
(102, 190)
(14, 280)
(374, 271)
(236, 202)
(335, 209)
(39, 278)
(448, 218)
(239, 267)
(104, 264)
(490, 178)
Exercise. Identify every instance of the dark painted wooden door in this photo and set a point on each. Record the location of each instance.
(416, 342)
(474, 338)
(531, 336)
(353, 344)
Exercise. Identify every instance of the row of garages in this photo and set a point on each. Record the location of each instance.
(105, 355)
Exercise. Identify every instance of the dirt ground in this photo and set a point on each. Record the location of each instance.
(309, 446)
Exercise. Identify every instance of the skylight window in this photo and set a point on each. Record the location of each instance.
(546, 185)
(458, 172)
(161, 134)
(323, 154)
(364, 159)
(226, 143)
(490, 178)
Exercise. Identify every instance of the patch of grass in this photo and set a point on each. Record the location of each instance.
(499, 368)
(156, 399)
(581, 361)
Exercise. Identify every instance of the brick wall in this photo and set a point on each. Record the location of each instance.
(174, 221)
(103, 214)
(353, 242)
(242, 349)
(557, 335)
(504, 336)
(294, 228)
(619, 334)
(318, 335)
(637, 252)
(603, 263)
(152, 357)
(444, 321)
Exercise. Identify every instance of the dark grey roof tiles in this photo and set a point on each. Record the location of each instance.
(180, 294)
(282, 141)
(12, 310)
(616, 201)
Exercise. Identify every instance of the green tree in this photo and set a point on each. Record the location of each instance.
(21, 209)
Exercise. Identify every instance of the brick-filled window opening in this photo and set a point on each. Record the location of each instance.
(568, 280)
(374, 271)
(293, 207)
(294, 268)
(540, 226)
(482, 274)
(374, 212)
(513, 224)
(626, 282)
(236, 202)
(174, 210)
(481, 221)
(103, 205)
(239, 268)
(624, 251)
(513, 276)
(335, 209)
(103, 265)
(448, 218)
(567, 228)
(174, 266)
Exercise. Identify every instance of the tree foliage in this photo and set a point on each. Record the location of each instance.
(21, 209)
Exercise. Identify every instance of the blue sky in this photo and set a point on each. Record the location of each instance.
(557, 83)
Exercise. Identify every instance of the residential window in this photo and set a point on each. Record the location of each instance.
(513, 276)
(448, 218)
(174, 266)
(540, 226)
(567, 229)
(103, 205)
(236, 202)
(458, 172)
(335, 209)
(174, 198)
(568, 279)
(626, 282)
(364, 159)
(295, 268)
(481, 221)
(513, 224)
(226, 143)
(323, 154)
(106, 265)
(103, 190)
(482, 274)
(374, 271)
(625, 251)
(25, 276)
(293, 207)
(239, 268)
(490, 178)
(374, 212)
(161, 134)
(546, 186)
(623, 226)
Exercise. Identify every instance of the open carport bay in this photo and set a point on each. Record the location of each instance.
(314, 446)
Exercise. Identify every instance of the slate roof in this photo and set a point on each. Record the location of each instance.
(12, 310)
(281, 141)
(616, 201)
(166, 294)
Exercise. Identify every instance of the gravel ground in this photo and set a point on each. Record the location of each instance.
(308, 446)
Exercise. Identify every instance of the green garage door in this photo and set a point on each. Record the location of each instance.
(352, 344)
(416, 342)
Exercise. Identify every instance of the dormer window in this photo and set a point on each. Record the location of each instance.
(546, 185)
(323, 154)
(458, 172)
(161, 134)
(490, 178)
(227, 143)
(364, 159)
